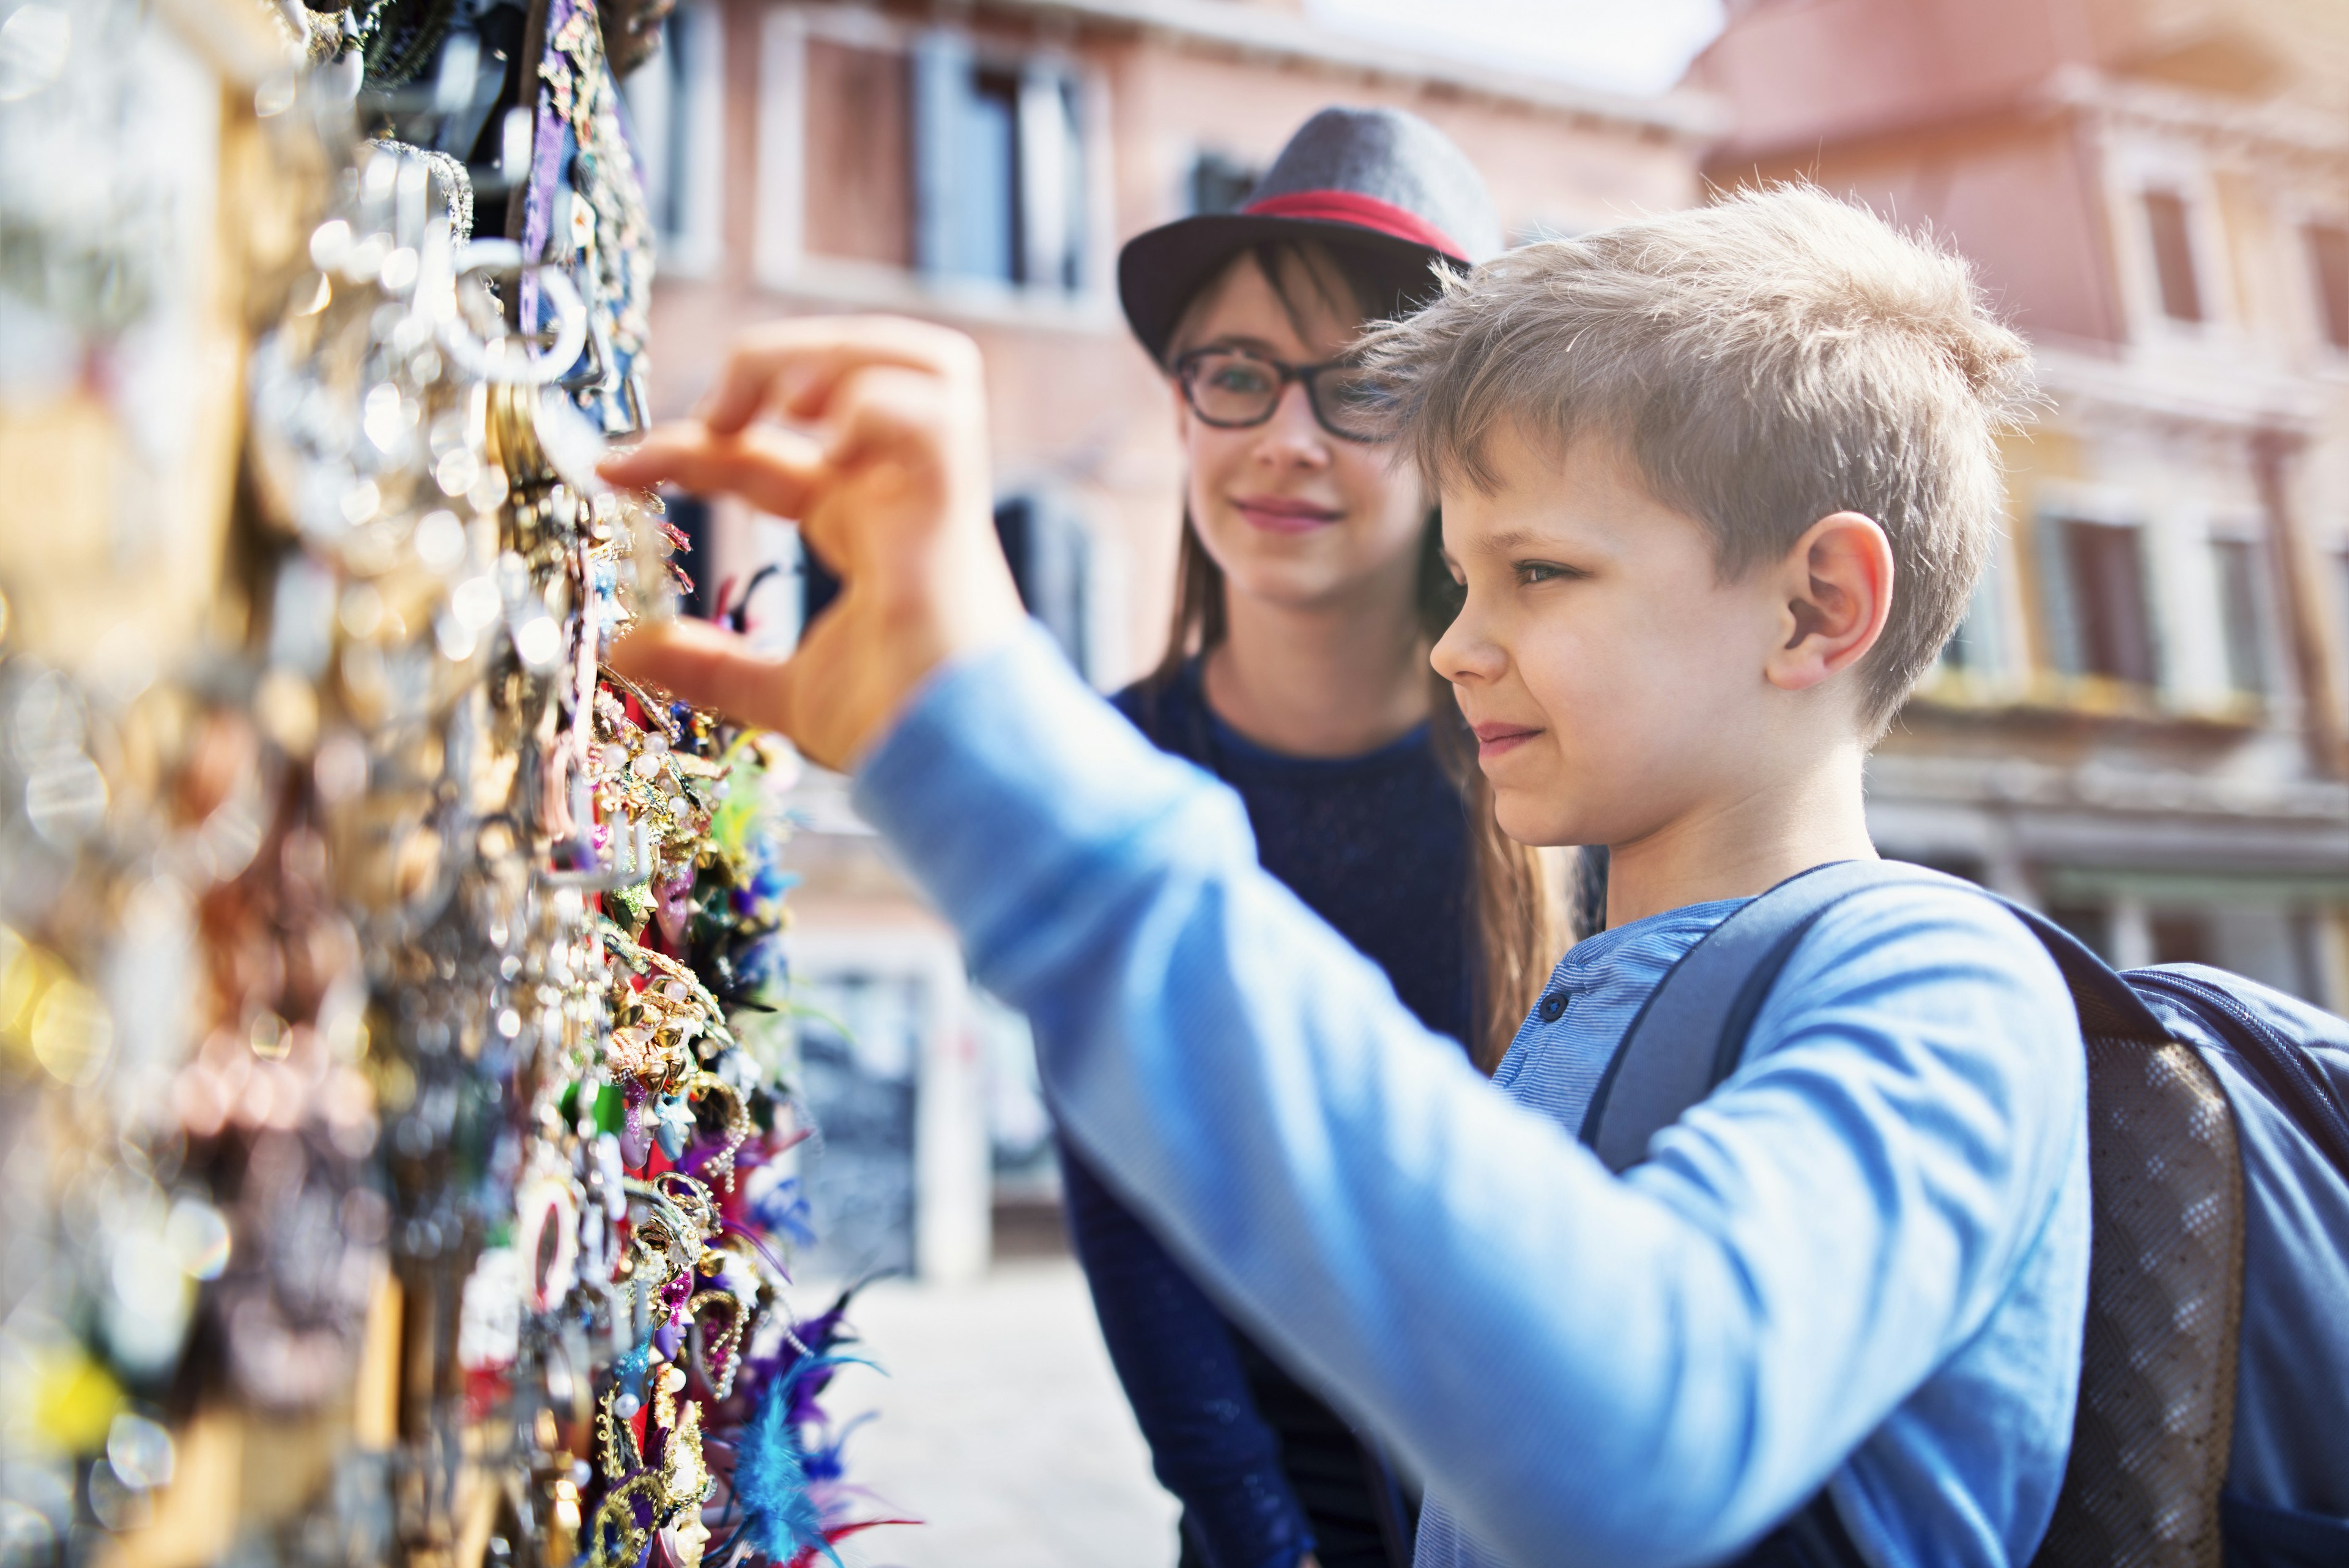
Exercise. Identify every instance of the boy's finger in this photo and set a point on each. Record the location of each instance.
(779, 472)
(647, 464)
(884, 411)
(707, 667)
(794, 365)
(888, 421)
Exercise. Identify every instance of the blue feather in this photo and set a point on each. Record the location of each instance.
(782, 1209)
(771, 1478)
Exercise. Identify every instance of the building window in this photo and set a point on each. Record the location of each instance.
(2105, 620)
(1972, 652)
(677, 109)
(1050, 554)
(1958, 654)
(2328, 255)
(998, 186)
(2308, 944)
(1219, 184)
(2092, 923)
(1976, 648)
(1048, 549)
(690, 517)
(2173, 255)
(860, 1068)
(2340, 568)
(2238, 613)
(2181, 936)
(940, 160)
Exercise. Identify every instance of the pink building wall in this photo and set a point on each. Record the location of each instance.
(1074, 402)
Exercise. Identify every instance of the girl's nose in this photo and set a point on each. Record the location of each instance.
(1293, 437)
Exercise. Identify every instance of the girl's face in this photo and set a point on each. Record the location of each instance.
(1294, 515)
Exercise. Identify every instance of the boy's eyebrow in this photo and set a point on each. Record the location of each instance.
(1509, 539)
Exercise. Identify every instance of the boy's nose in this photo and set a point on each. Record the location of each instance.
(1464, 655)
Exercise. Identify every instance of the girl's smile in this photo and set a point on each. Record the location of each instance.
(1284, 513)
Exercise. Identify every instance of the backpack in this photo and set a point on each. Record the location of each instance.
(2213, 1417)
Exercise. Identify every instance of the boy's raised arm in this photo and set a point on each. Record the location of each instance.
(1587, 1370)
(1651, 1370)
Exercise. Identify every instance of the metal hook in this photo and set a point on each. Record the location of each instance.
(512, 357)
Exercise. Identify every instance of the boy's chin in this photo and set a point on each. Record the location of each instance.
(1540, 823)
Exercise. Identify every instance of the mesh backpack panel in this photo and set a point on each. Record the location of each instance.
(2219, 1152)
(2149, 1444)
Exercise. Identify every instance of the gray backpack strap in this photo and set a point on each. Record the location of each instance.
(1692, 1032)
(1688, 1037)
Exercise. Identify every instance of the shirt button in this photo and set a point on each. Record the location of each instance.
(1553, 1006)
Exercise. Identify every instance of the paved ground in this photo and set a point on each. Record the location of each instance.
(1001, 1424)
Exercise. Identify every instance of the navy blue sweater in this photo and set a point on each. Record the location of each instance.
(1377, 845)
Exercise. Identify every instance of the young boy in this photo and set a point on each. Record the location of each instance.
(1717, 485)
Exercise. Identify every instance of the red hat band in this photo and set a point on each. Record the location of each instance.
(1362, 212)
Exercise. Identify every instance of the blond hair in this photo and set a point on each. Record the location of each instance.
(1765, 362)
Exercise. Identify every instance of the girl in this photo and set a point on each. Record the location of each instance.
(1310, 588)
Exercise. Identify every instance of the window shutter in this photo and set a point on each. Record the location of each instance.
(859, 159)
(2061, 619)
(1051, 190)
(2328, 253)
(942, 71)
(2240, 618)
(2173, 255)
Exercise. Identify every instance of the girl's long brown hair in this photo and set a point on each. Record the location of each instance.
(1517, 895)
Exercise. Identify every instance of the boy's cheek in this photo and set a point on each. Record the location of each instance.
(1590, 778)
(1579, 681)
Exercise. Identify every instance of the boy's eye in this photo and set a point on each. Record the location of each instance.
(1531, 572)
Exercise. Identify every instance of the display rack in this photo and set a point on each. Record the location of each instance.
(395, 1046)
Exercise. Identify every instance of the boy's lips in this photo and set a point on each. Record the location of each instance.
(1284, 513)
(1494, 739)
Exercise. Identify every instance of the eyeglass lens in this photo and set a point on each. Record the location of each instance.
(1233, 389)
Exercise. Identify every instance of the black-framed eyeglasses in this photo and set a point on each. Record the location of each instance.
(1233, 388)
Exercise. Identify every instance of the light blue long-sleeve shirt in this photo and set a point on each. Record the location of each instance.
(1865, 1257)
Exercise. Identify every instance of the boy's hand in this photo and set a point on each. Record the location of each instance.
(890, 490)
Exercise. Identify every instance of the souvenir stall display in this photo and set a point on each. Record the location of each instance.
(395, 1060)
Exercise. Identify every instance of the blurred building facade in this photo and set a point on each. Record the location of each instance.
(979, 164)
(2141, 725)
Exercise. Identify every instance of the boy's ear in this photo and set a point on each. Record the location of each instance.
(1836, 591)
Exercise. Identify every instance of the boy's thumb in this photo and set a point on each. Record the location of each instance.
(706, 665)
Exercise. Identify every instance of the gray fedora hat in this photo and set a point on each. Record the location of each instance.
(1381, 183)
